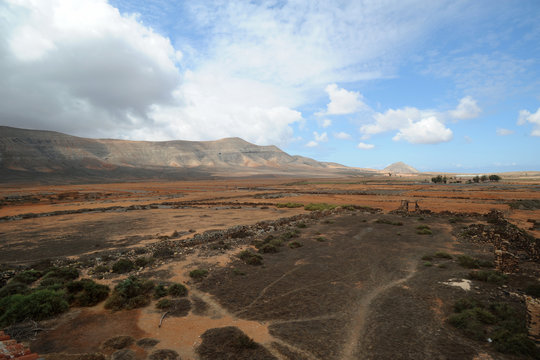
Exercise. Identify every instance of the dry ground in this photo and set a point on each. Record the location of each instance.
(356, 289)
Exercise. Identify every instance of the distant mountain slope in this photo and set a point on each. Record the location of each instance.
(31, 153)
(400, 168)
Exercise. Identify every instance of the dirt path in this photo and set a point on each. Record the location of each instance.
(354, 340)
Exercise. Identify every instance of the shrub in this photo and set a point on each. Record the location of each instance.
(100, 269)
(238, 272)
(86, 292)
(130, 294)
(123, 266)
(250, 258)
(389, 222)
(27, 276)
(321, 239)
(164, 304)
(319, 207)
(424, 232)
(62, 274)
(198, 273)
(295, 244)
(468, 262)
(290, 234)
(488, 276)
(289, 205)
(163, 252)
(13, 288)
(268, 248)
(142, 261)
(301, 225)
(160, 291)
(428, 263)
(427, 257)
(39, 305)
(494, 178)
(466, 303)
(443, 255)
(177, 290)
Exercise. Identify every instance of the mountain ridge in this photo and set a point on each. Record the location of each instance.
(28, 153)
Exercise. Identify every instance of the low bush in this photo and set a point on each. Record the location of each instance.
(289, 205)
(301, 225)
(160, 291)
(389, 222)
(163, 252)
(468, 262)
(86, 292)
(443, 255)
(423, 230)
(295, 244)
(198, 273)
(61, 274)
(13, 288)
(289, 234)
(123, 266)
(177, 290)
(164, 304)
(319, 207)
(321, 239)
(130, 293)
(142, 261)
(427, 257)
(27, 276)
(101, 269)
(250, 258)
(428, 263)
(39, 305)
(268, 249)
(488, 276)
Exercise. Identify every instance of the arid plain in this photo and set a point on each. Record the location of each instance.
(281, 268)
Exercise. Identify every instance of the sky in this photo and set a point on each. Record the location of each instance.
(440, 85)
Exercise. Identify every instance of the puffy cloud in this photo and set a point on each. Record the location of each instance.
(525, 116)
(342, 101)
(320, 137)
(342, 136)
(326, 123)
(426, 131)
(504, 132)
(466, 109)
(312, 144)
(365, 146)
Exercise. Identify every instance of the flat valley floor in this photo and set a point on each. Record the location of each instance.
(355, 282)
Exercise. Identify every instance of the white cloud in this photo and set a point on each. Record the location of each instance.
(504, 132)
(320, 137)
(365, 146)
(426, 131)
(342, 101)
(342, 136)
(525, 116)
(312, 144)
(326, 123)
(466, 109)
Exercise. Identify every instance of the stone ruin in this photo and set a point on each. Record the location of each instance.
(403, 208)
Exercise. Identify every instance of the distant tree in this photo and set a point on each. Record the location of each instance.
(476, 179)
(484, 178)
(494, 178)
(437, 179)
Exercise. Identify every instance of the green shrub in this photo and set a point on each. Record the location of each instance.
(39, 305)
(86, 292)
(27, 276)
(427, 257)
(100, 269)
(61, 274)
(160, 291)
(276, 242)
(198, 273)
(238, 272)
(319, 207)
(130, 293)
(468, 262)
(142, 261)
(289, 234)
(250, 258)
(321, 239)
(428, 263)
(177, 290)
(164, 304)
(443, 255)
(295, 244)
(468, 322)
(301, 225)
(510, 343)
(289, 205)
(163, 252)
(488, 276)
(466, 303)
(123, 266)
(13, 288)
(268, 248)
(389, 222)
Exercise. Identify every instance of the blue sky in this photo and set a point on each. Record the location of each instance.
(441, 85)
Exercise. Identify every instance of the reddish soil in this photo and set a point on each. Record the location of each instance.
(356, 288)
